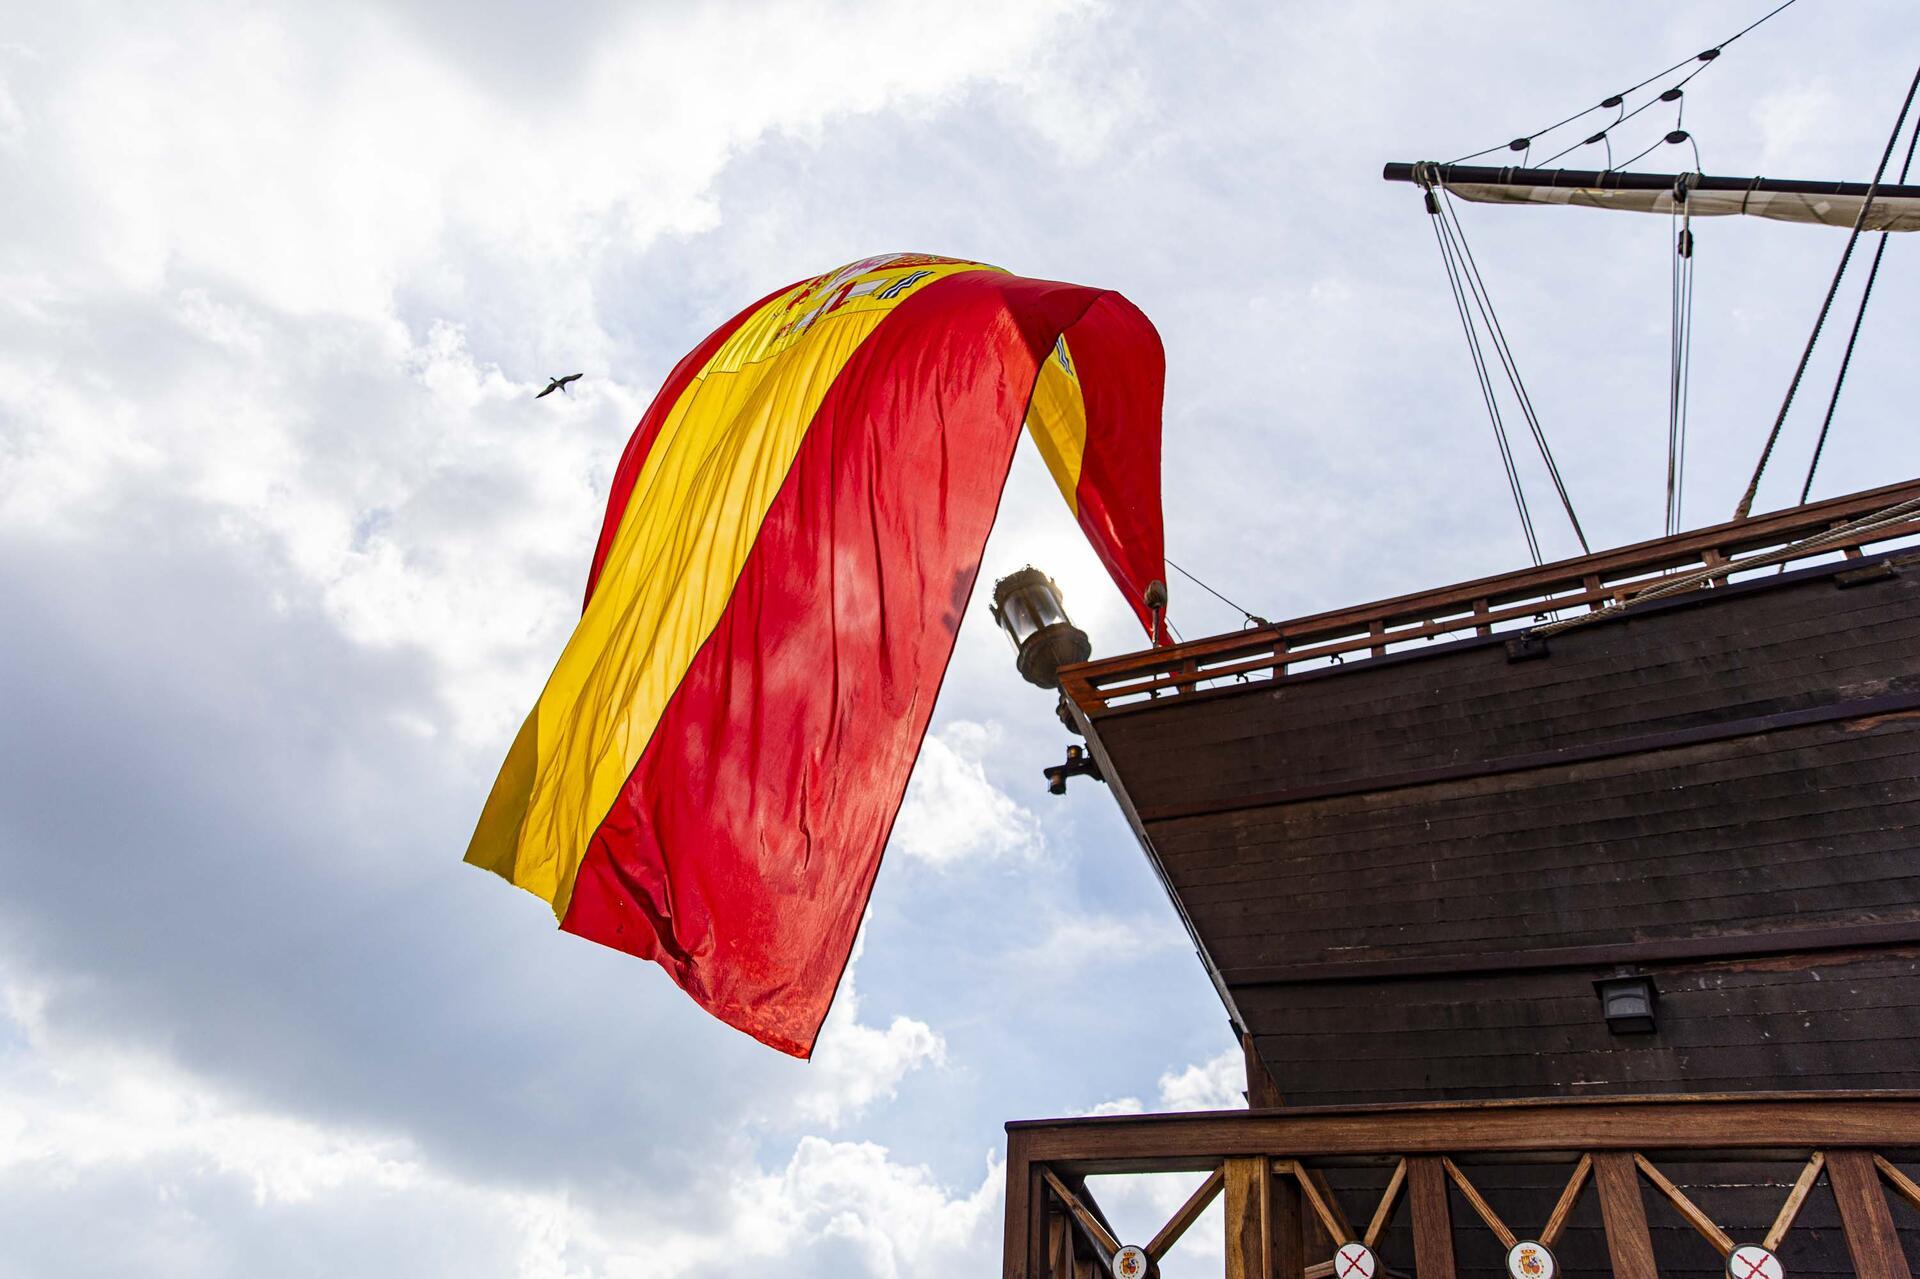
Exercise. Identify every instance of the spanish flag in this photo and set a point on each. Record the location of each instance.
(711, 773)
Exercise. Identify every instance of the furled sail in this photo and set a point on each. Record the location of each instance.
(1836, 204)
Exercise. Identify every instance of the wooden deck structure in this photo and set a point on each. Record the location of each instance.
(1645, 1187)
(1409, 838)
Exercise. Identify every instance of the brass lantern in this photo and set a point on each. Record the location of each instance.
(1028, 608)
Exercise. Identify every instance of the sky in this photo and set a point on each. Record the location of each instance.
(287, 549)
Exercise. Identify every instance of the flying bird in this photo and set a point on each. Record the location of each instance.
(558, 384)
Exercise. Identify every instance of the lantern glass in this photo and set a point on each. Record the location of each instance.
(1029, 610)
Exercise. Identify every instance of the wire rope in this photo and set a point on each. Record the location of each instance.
(1706, 58)
(1860, 220)
(1866, 294)
(1485, 381)
(1484, 301)
(1680, 357)
(1253, 619)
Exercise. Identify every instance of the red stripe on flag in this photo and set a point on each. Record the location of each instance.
(640, 443)
(1122, 381)
(742, 851)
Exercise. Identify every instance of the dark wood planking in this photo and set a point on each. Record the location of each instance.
(1800, 646)
(1842, 1021)
(1742, 888)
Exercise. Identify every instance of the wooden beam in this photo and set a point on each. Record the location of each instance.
(1249, 1185)
(1699, 1220)
(1197, 1141)
(1383, 1213)
(1783, 1222)
(1902, 1184)
(1340, 1228)
(1325, 1212)
(1262, 1092)
(1432, 1218)
(1478, 1203)
(1625, 1216)
(1095, 1229)
(1864, 1217)
(1564, 1208)
(1196, 1203)
(1286, 1230)
(1016, 1249)
(1059, 1246)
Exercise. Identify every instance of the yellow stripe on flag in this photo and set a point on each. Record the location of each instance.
(721, 457)
(1057, 420)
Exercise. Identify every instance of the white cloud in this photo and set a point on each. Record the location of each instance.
(896, 1220)
(1216, 1084)
(79, 1118)
(1219, 1083)
(1073, 942)
(953, 814)
(856, 1065)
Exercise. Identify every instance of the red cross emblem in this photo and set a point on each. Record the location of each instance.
(1355, 1261)
(1751, 1261)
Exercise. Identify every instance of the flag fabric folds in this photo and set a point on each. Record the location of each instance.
(710, 775)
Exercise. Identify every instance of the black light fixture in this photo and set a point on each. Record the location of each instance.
(1027, 606)
(1627, 1003)
(1078, 764)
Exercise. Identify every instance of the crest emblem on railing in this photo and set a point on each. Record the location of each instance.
(1529, 1259)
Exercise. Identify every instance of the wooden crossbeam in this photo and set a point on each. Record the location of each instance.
(1902, 1184)
(1562, 1210)
(1096, 1232)
(1384, 1213)
(1479, 1204)
(1699, 1220)
(1196, 1204)
(1331, 1218)
(1791, 1208)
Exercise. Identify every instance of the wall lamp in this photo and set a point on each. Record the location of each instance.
(1627, 1003)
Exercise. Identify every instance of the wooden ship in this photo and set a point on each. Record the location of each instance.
(1569, 918)
(1607, 941)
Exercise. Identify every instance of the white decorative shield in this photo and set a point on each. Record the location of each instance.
(1130, 1263)
(1354, 1261)
(1531, 1259)
(1751, 1261)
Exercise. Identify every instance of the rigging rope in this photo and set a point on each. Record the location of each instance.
(1617, 100)
(1253, 619)
(1457, 254)
(1899, 513)
(1866, 294)
(1773, 437)
(1680, 355)
(1486, 383)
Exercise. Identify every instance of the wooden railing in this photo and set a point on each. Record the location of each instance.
(1286, 1218)
(1510, 601)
